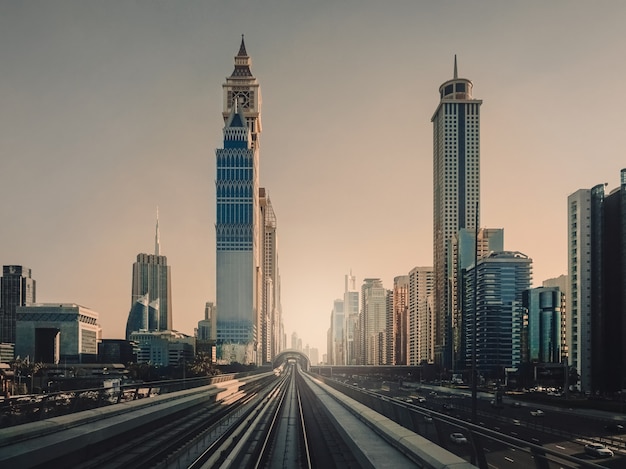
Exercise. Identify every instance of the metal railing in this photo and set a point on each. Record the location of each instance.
(33, 407)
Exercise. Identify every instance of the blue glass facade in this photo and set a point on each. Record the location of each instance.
(502, 279)
(235, 228)
(543, 306)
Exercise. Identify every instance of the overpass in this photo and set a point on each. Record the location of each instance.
(292, 354)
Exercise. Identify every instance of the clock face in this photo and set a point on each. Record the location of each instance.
(241, 97)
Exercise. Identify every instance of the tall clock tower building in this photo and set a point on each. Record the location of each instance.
(238, 267)
(242, 88)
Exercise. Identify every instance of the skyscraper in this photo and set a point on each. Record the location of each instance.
(456, 191)
(270, 314)
(502, 278)
(373, 314)
(351, 313)
(544, 307)
(336, 350)
(597, 289)
(421, 321)
(152, 277)
(463, 252)
(398, 322)
(237, 225)
(17, 288)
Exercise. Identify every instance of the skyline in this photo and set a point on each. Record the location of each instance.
(110, 110)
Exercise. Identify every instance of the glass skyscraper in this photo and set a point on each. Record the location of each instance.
(152, 280)
(502, 278)
(236, 230)
(17, 288)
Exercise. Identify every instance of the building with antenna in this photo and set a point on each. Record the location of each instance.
(456, 192)
(151, 295)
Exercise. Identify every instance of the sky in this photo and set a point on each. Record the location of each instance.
(110, 109)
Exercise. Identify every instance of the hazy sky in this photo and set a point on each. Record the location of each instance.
(110, 108)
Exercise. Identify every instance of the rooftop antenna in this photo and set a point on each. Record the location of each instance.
(157, 248)
(456, 74)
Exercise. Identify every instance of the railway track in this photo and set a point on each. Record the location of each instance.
(159, 443)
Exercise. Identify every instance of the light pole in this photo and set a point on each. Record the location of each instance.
(474, 324)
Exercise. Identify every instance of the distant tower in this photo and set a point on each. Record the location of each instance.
(398, 322)
(421, 321)
(336, 352)
(456, 191)
(237, 227)
(207, 327)
(373, 314)
(351, 312)
(270, 307)
(152, 277)
(17, 288)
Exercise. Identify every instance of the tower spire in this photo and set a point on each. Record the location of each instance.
(157, 247)
(456, 74)
(242, 49)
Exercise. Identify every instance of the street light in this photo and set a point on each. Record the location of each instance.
(474, 324)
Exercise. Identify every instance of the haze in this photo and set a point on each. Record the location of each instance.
(110, 109)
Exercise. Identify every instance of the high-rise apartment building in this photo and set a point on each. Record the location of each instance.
(270, 314)
(597, 288)
(373, 321)
(579, 205)
(501, 279)
(336, 352)
(17, 288)
(463, 252)
(456, 191)
(351, 313)
(398, 322)
(421, 319)
(152, 280)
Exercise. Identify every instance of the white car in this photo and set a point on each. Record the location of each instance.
(537, 413)
(458, 438)
(598, 451)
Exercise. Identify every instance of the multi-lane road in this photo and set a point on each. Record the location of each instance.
(563, 431)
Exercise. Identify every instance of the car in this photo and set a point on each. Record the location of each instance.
(428, 419)
(614, 427)
(516, 404)
(537, 413)
(598, 451)
(458, 438)
(421, 399)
